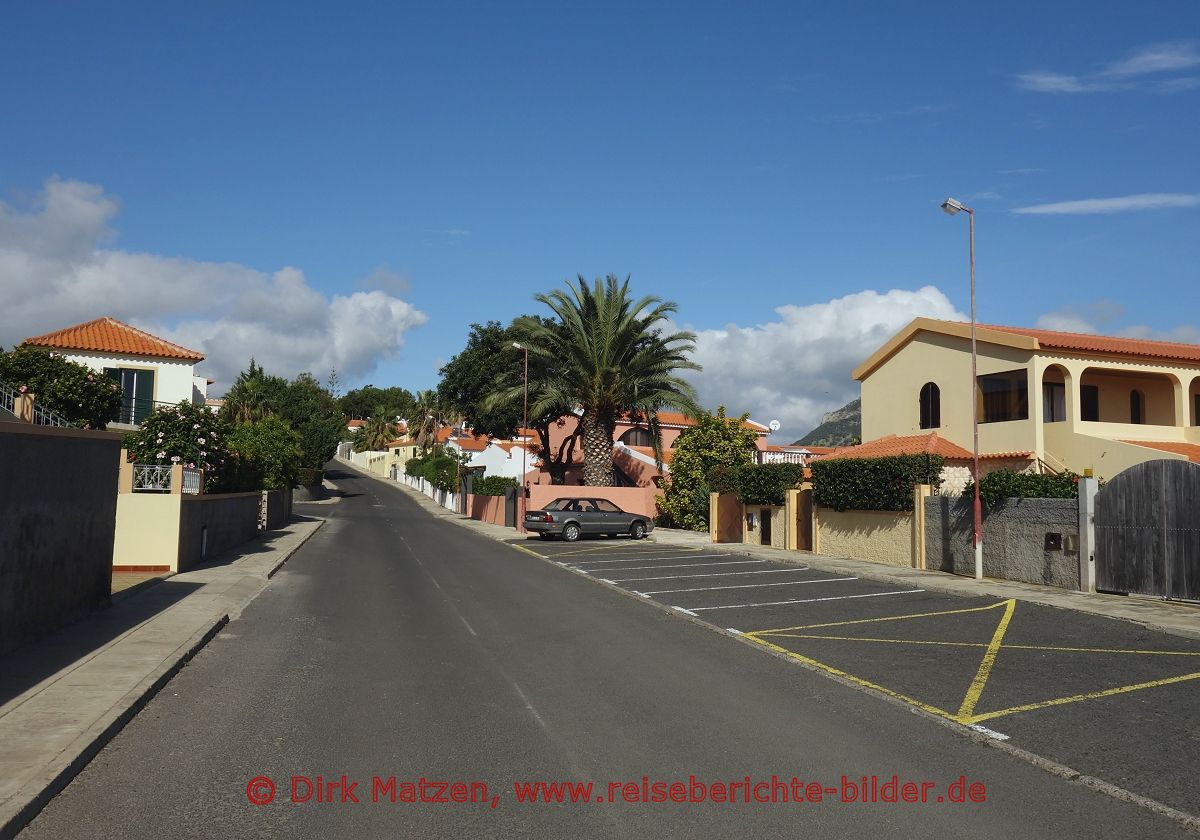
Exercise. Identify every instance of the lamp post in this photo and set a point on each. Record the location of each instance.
(952, 206)
(524, 440)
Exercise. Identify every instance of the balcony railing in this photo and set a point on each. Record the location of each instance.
(192, 479)
(12, 401)
(133, 411)
(151, 478)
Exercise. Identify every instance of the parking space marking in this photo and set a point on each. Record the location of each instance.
(967, 712)
(716, 574)
(648, 559)
(808, 600)
(748, 586)
(678, 566)
(610, 549)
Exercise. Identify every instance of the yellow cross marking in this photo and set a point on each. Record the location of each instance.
(966, 713)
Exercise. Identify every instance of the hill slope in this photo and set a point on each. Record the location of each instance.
(838, 428)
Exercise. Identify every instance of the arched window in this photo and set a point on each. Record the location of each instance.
(1137, 407)
(931, 406)
(637, 437)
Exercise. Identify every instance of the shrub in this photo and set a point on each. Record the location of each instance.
(190, 435)
(272, 450)
(999, 485)
(711, 450)
(873, 483)
(307, 476)
(438, 468)
(79, 394)
(767, 484)
(493, 485)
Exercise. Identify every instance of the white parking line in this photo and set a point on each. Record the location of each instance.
(682, 610)
(643, 559)
(803, 601)
(677, 566)
(715, 574)
(748, 586)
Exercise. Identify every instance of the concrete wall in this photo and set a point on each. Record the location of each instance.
(58, 501)
(881, 536)
(752, 533)
(147, 533)
(1014, 539)
(638, 500)
(173, 380)
(278, 504)
(210, 525)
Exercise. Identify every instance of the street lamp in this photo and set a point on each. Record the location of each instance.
(952, 206)
(524, 440)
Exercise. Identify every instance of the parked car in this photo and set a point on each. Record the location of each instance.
(572, 517)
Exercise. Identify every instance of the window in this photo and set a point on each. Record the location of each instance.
(607, 506)
(1137, 407)
(931, 406)
(1054, 402)
(137, 390)
(1196, 411)
(1004, 396)
(1089, 403)
(637, 437)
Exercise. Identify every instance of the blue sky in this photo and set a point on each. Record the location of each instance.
(290, 178)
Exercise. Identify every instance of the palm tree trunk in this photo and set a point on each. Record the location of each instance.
(597, 451)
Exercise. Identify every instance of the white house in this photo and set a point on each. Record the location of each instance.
(152, 371)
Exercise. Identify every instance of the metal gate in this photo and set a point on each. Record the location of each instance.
(1148, 531)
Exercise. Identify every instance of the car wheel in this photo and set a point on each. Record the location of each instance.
(570, 532)
(637, 530)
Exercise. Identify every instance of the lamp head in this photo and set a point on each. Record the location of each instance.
(518, 345)
(952, 206)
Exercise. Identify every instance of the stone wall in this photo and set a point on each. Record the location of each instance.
(58, 513)
(881, 536)
(1015, 543)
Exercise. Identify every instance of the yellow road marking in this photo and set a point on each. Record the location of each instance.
(1077, 698)
(781, 630)
(528, 551)
(975, 690)
(982, 645)
(829, 669)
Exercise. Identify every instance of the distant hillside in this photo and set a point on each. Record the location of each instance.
(838, 428)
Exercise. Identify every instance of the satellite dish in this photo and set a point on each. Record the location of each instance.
(773, 425)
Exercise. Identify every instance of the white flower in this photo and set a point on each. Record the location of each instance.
(203, 454)
(196, 426)
(175, 459)
(201, 441)
(161, 455)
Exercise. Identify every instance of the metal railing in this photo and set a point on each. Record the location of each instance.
(133, 411)
(151, 478)
(42, 416)
(191, 480)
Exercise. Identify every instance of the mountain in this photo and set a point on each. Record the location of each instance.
(838, 428)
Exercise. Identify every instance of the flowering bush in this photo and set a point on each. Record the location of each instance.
(79, 394)
(190, 435)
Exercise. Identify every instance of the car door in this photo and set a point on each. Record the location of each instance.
(614, 520)
(591, 519)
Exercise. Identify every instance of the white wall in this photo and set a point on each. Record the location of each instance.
(173, 381)
(496, 461)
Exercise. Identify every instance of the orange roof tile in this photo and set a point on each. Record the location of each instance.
(927, 444)
(400, 442)
(1050, 339)
(1191, 451)
(108, 335)
(676, 418)
(356, 424)
(470, 444)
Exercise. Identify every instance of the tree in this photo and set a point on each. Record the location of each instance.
(75, 392)
(312, 411)
(190, 435)
(255, 394)
(489, 362)
(368, 401)
(610, 357)
(272, 449)
(375, 435)
(429, 415)
(714, 443)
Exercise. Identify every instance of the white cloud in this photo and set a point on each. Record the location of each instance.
(55, 271)
(1126, 74)
(1121, 204)
(1065, 322)
(796, 368)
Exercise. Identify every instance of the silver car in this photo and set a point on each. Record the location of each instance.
(573, 516)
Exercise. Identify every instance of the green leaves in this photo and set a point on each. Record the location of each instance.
(79, 394)
(767, 484)
(190, 435)
(706, 456)
(493, 485)
(438, 468)
(873, 483)
(999, 485)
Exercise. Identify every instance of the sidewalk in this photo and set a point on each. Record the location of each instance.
(1163, 616)
(65, 696)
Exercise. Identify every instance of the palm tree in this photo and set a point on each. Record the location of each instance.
(375, 434)
(608, 356)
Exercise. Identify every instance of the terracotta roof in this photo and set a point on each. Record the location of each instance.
(676, 418)
(470, 444)
(1049, 339)
(927, 444)
(356, 424)
(108, 335)
(1191, 451)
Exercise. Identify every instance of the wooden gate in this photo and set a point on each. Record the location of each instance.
(1148, 531)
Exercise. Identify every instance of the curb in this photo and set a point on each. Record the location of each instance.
(1181, 818)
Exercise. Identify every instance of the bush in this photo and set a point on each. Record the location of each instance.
(79, 394)
(997, 486)
(707, 452)
(873, 483)
(272, 451)
(767, 484)
(493, 485)
(438, 468)
(307, 476)
(190, 435)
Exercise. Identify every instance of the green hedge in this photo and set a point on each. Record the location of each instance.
(307, 476)
(493, 485)
(767, 484)
(873, 483)
(437, 468)
(1003, 484)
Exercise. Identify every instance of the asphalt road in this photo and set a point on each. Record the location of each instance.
(393, 644)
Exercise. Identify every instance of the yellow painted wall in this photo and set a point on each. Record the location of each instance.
(1104, 456)
(752, 535)
(147, 530)
(876, 535)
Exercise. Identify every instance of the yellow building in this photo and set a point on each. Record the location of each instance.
(1057, 401)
